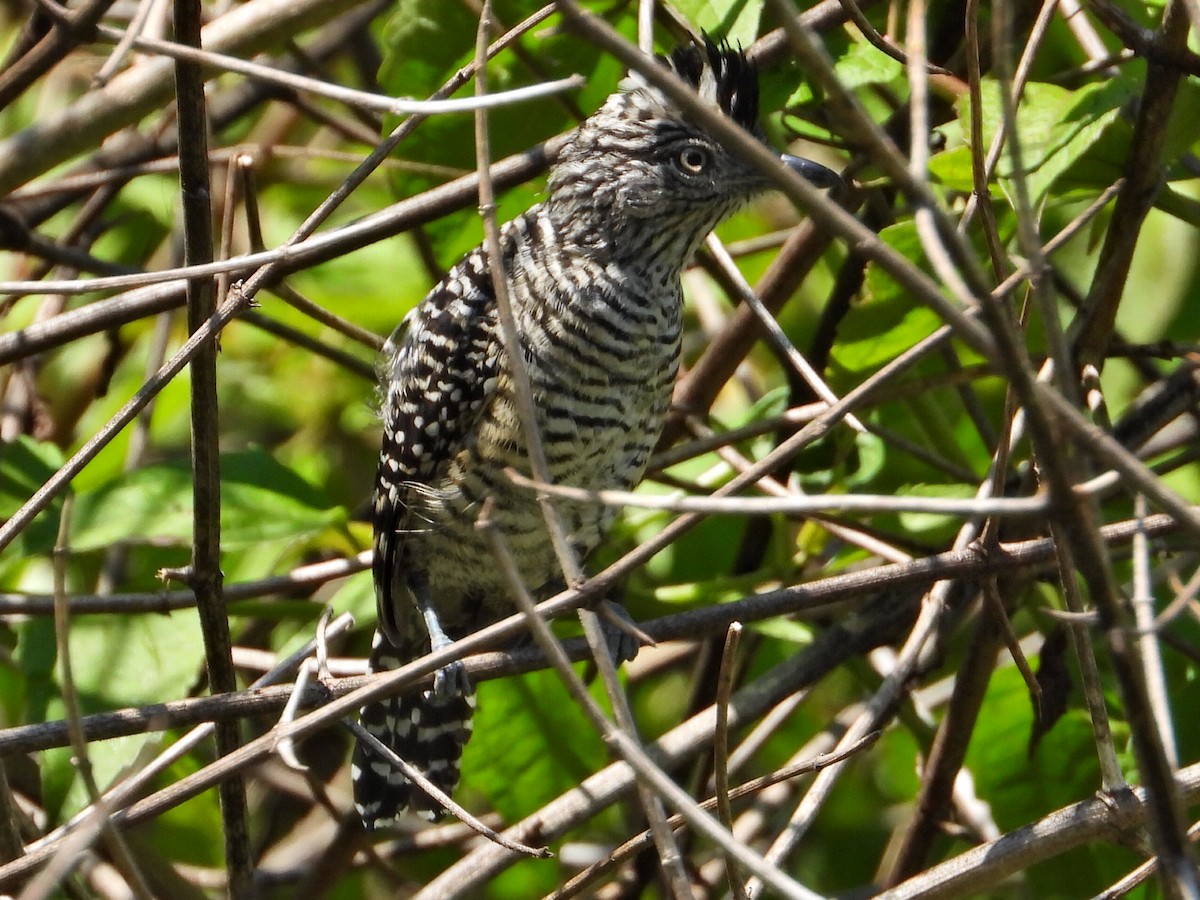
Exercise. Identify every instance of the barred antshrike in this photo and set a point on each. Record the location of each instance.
(594, 279)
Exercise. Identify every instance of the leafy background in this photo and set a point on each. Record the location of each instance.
(298, 439)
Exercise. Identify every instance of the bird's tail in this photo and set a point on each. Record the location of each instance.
(426, 730)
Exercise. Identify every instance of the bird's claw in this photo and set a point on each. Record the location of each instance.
(450, 682)
(620, 637)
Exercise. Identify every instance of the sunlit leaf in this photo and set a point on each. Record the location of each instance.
(1057, 128)
(886, 320)
(118, 662)
(517, 756)
(861, 65)
(735, 21)
(261, 500)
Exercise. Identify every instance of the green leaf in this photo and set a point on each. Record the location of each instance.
(1063, 770)
(733, 20)
(1058, 128)
(885, 322)
(425, 41)
(705, 552)
(356, 595)
(709, 592)
(869, 457)
(864, 65)
(845, 460)
(13, 686)
(1179, 205)
(260, 500)
(133, 660)
(1183, 132)
(518, 756)
(184, 832)
(785, 629)
(25, 465)
(116, 661)
(860, 66)
(952, 168)
(144, 211)
(36, 656)
(930, 526)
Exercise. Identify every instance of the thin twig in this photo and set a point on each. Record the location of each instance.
(309, 576)
(11, 843)
(509, 332)
(125, 42)
(204, 574)
(1155, 674)
(1112, 778)
(882, 44)
(981, 197)
(1123, 887)
(721, 751)
(775, 334)
(400, 106)
(1104, 447)
(944, 759)
(793, 503)
(1027, 232)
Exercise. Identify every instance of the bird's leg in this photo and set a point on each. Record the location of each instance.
(450, 680)
(621, 634)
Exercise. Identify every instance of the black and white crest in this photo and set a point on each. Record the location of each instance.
(721, 75)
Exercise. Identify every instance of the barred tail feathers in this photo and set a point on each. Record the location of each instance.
(427, 732)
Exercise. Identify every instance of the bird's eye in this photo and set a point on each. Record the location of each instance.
(693, 160)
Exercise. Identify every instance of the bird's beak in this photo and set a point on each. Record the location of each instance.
(813, 172)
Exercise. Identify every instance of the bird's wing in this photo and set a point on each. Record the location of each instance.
(439, 369)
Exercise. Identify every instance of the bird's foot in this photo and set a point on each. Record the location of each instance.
(450, 682)
(621, 634)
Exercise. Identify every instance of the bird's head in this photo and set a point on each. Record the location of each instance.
(640, 162)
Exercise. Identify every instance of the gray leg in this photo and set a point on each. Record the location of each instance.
(450, 681)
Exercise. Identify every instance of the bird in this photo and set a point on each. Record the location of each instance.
(593, 274)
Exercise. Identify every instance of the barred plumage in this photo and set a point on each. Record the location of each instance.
(594, 278)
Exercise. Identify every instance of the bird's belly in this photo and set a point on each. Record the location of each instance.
(588, 441)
